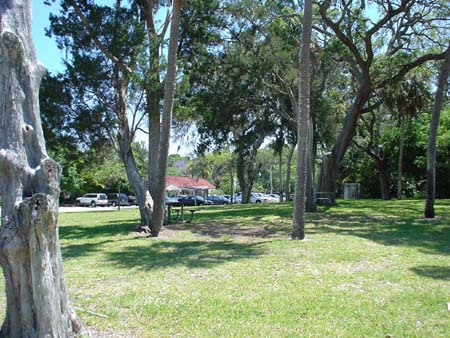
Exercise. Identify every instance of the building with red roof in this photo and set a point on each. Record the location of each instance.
(188, 185)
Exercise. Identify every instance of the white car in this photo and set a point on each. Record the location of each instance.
(92, 200)
(255, 197)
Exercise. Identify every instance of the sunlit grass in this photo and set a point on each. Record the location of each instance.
(367, 269)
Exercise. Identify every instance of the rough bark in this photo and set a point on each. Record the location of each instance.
(36, 295)
(434, 124)
(298, 225)
(166, 124)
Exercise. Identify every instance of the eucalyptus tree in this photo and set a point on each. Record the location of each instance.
(105, 44)
(434, 124)
(379, 49)
(126, 44)
(37, 302)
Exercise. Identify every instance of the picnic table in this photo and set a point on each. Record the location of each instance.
(325, 198)
(175, 213)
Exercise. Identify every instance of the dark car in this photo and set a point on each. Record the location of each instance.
(193, 200)
(132, 200)
(113, 199)
(219, 200)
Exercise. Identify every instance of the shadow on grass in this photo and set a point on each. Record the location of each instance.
(218, 229)
(435, 272)
(191, 254)
(429, 237)
(112, 228)
(245, 210)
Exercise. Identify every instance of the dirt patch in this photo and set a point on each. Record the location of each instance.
(215, 229)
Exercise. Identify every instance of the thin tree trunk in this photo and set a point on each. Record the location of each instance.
(37, 302)
(434, 124)
(383, 177)
(287, 188)
(298, 231)
(310, 195)
(166, 125)
(400, 157)
(280, 168)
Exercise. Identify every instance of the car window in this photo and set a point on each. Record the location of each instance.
(102, 197)
(91, 195)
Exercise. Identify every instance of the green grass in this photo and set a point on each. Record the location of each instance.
(367, 269)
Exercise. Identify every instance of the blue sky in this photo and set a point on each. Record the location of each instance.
(51, 57)
(46, 49)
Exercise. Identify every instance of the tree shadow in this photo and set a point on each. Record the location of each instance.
(431, 237)
(191, 254)
(112, 228)
(245, 210)
(218, 229)
(435, 272)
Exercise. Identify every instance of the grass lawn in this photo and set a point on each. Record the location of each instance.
(367, 269)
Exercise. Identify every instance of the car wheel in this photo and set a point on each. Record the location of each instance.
(114, 204)
(77, 203)
(258, 201)
(93, 204)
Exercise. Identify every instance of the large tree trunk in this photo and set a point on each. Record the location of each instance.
(153, 93)
(383, 177)
(298, 225)
(37, 299)
(125, 140)
(331, 161)
(434, 124)
(400, 157)
(244, 165)
(166, 125)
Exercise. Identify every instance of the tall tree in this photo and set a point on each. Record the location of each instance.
(131, 66)
(434, 124)
(37, 299)
(408, 26)
(166, 123)
(105, 44)
(303, 124)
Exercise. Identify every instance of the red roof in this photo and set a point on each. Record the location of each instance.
(188, 182)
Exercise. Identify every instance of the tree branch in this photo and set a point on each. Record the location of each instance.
(97, 42)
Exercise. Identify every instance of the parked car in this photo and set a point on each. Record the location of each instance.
(272, 197)
(92, 199)
(255, 197)
(193, 200)
(132, 200)
(219, 200)
(115, 199)
(171, 199)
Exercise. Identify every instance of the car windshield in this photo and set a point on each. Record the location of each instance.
(103, 197)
